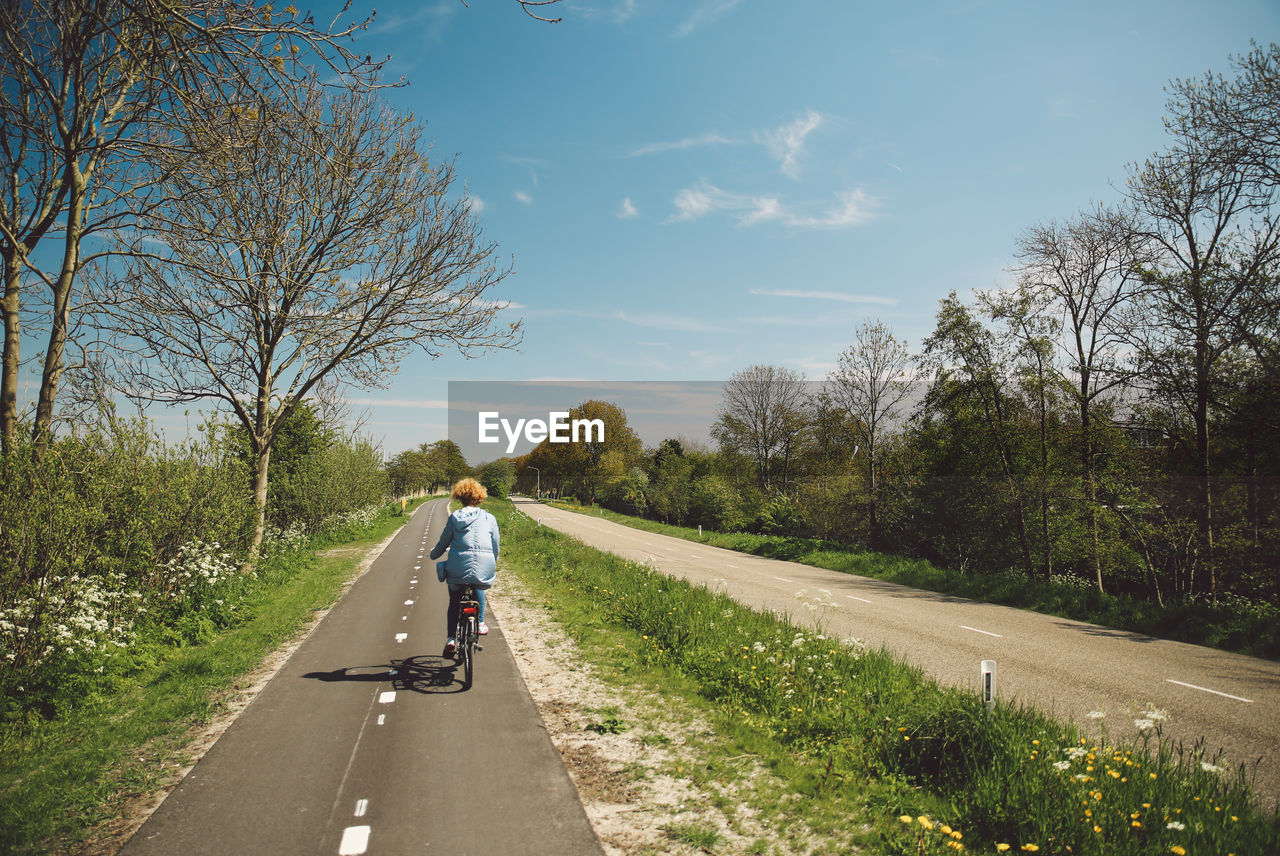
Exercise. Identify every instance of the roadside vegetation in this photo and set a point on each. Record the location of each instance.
(1232, 624)
(873, 753)
(129, 607)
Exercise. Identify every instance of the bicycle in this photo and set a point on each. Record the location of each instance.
(467, 634)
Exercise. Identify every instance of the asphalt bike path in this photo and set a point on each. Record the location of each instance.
(366, 742)
(1069, 669)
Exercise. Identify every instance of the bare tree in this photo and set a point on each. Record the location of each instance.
(1084, 271)
(301, 242)
(1216, 242)
(762, 416)
(86, 88)
(872, 382)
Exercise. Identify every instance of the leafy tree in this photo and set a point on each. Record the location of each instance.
(497, 476)
(445, 463)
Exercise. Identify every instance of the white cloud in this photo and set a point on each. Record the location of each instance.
(852, 208)
(706, 13)
(476, 204)
(786, 144)
(708, 139)
(627, 209)
(523, 198)
(825, 295)
(427, 404)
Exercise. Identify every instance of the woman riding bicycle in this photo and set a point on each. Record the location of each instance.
(471, 537)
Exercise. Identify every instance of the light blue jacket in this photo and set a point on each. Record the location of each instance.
(471, 537)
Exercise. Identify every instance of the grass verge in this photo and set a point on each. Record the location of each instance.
(80, 772)
(857, 734)
(1234, 624)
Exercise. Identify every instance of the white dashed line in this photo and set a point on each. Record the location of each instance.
(408, 603)
(400, 637)
(1207, 690)
(382, 719)
(355, 841)
(983, 632)
(782, 579)
(863, 599)
(731, 566)
(362, 808)
(387, 697)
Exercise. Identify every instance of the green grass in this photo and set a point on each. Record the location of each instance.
(1233, 625)
(66, 777)
(859, 735)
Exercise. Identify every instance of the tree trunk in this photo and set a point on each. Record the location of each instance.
(60, 322)
(263, 457)
(1204, 483)
(12, 353)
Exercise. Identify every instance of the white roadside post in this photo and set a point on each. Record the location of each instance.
(989, 684)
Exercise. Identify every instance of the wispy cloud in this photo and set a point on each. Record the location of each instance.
(786, 144)
(627, 210)
(711, 139)
(650, 320)
(620, 11)
(825, 295)
(523, 198)
(705, 13)
(426, 404)
(476, 204)
(851, 208)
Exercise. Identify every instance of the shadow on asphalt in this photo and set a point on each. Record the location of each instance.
(425, 674)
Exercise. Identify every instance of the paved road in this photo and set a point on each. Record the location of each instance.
(365, 742)
(1067, 668)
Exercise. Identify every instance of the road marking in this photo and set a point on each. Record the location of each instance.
(863, 599)
(408, 603)
(731, 566)
(362, 808)
(783, 579)
(417, 567)
(355, 840)
(404, 618)
(387, 697)
(694, 556)
(983, 632)
(382, 719)
(1207, 690)
(400, 637)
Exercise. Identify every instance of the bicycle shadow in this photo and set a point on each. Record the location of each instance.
(424, 673)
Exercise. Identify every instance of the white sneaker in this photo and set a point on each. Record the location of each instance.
(484, 629)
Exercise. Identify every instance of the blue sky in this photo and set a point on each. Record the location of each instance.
(692, 187)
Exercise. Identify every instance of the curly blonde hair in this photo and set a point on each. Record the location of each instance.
(470, 492)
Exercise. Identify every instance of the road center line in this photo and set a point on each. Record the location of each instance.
(1207, 690)
(362, 808)
(852, 597)
(387, 697)
(783, 579)
(983, 632)
(400, 637)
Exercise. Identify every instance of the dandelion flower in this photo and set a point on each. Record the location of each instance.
(906, 818)
(1178, 850)
(1002, 847)
(925, 821)
(1031, 848)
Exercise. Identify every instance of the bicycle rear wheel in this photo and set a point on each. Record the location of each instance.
(466, 646)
